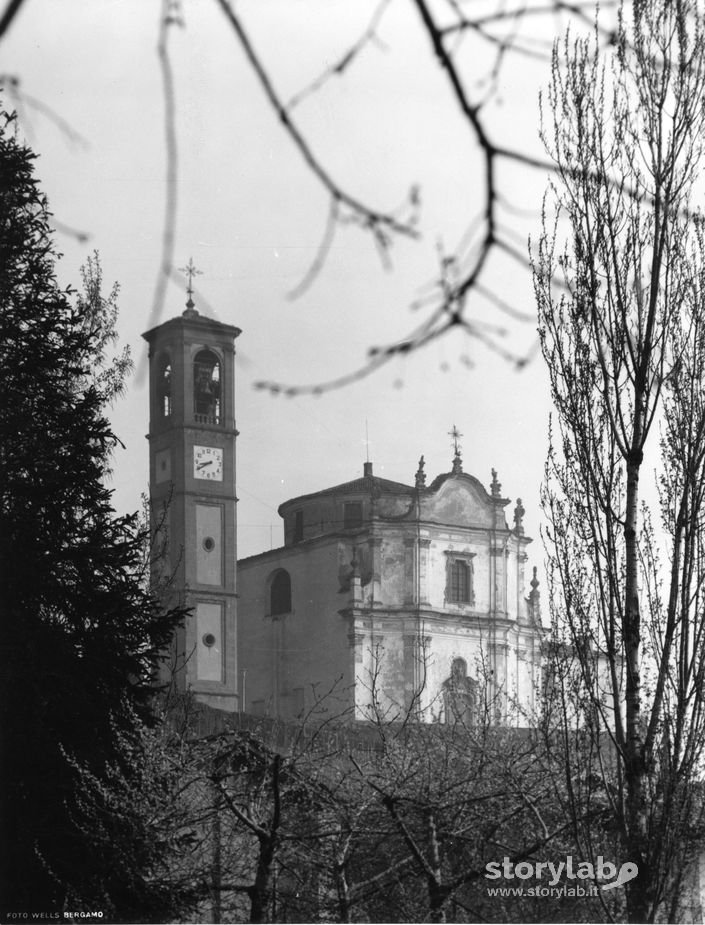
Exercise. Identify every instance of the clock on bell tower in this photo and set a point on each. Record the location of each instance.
(192, 493)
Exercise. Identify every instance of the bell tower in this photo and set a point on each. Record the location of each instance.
(192, 494)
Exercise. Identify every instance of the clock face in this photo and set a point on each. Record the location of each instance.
(208, 463)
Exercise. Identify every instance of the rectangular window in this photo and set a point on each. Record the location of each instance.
(459, 585)
(298, 526)
(352, 515)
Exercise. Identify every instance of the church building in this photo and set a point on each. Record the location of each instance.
(389, 598)
(386, 599)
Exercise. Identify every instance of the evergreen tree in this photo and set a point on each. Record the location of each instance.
(81, 633)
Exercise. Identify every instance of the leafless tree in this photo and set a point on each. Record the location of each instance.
(459, 297)
(623, 335)
(473, 44)
(451, 797)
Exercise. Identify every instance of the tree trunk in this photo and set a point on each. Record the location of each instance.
(261, 888)
(260, 892)
(639, 891)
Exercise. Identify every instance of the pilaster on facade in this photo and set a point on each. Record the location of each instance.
(375, 544)
(424, 544)
(355, 582)
(416, 648)
(521, 604)
(528, 665)
(499, 555)
(411, 571)
(500, 682)
(416, 570)
(356, 639)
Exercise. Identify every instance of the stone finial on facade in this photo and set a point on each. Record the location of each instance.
(519, 512)
(496, 486)
(535, 598)
(420, 474)
(457, 464)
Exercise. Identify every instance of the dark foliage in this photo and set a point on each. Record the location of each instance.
(81, 634)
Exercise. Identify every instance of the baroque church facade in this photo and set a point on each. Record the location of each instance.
(386, 598)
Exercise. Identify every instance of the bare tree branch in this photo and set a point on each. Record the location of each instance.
(11, 10)
(170, 16)
(380, 224)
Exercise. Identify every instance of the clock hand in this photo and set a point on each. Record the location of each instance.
(204, 464)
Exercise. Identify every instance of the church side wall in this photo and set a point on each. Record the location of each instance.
(290, 660)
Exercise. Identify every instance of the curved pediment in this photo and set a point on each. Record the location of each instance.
(461, 500)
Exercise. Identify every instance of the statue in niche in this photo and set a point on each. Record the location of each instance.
(459, 695)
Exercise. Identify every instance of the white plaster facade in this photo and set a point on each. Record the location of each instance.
(399, 598)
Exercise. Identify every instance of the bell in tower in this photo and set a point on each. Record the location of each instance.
(206, 387)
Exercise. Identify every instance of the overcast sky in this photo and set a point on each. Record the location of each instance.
(251, 216)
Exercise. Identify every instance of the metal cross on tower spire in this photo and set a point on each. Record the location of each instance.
(190, 271)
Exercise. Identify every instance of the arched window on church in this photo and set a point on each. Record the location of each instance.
(164, 387)
(460, 695)
(280, 594)
(206, 387)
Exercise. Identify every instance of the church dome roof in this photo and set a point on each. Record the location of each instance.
(366, 484)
